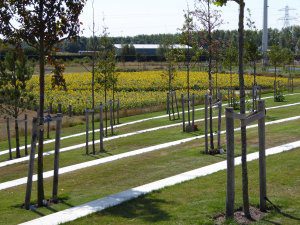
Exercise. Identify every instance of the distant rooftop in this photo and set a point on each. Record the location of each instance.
(150, 46)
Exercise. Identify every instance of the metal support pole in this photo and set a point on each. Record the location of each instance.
(230, 163)
(262, 158)
(56, 158)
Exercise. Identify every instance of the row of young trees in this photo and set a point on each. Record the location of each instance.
(42, 25)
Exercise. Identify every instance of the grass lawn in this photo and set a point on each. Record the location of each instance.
(199, 200)
(136, 142)
(91, 183)
(95, 182)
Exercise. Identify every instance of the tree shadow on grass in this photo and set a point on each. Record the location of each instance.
(145, 208)
(278, 210)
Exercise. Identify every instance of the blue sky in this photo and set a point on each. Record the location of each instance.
(132, 17)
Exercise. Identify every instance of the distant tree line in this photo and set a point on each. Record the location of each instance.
(288, 38)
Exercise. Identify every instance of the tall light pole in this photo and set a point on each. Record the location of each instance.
(265, 34)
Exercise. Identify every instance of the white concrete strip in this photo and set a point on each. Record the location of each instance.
(97, 130)
(116, 126)
(74, 213)
(73, 147)
(96, 162)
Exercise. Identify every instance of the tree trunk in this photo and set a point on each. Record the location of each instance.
(254, 71)
(40, 169)
(212, 147)
(105, 100)
(93, 96)
(243, 111)
(18, 154)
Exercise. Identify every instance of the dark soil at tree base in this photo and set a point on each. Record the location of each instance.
(239, 216)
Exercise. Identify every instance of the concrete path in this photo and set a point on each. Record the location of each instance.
(116, 199)
(72, 168)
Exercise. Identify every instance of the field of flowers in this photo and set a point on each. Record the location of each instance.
(136, 89)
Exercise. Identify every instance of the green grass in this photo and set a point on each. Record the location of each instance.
(130, 128)
(199, 200)
(95, 182)
(131, 143)
(124, 145)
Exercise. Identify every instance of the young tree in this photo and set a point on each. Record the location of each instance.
(57, 79)
(230, 59)
(170, 54)
(241, 4)
(15, 71)
(209, 20)
(276, 58)
(251, 48)
(186, 39)
(106, 75)
(41, 24)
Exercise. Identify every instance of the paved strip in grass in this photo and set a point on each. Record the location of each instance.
(74, 147)
(117, 126)
(116, 199)
(72, 168)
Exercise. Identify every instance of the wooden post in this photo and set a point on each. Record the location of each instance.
(26, 133)
(172, 104)
(206, 123)
(230, 163)
(31, 163)
(262, 158)
(253, 98)
(111, 117)
(51, 108)
(70, 110)
(48, 124)
(219, 123)
(193, 112)
(176, 102)
(183, 113)
(168, 104)
(8, 138)
(189, 109)
(59, 109)
(101, 128)
(229, 98)
(87, 131)
(56, 158)
(118, 111)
